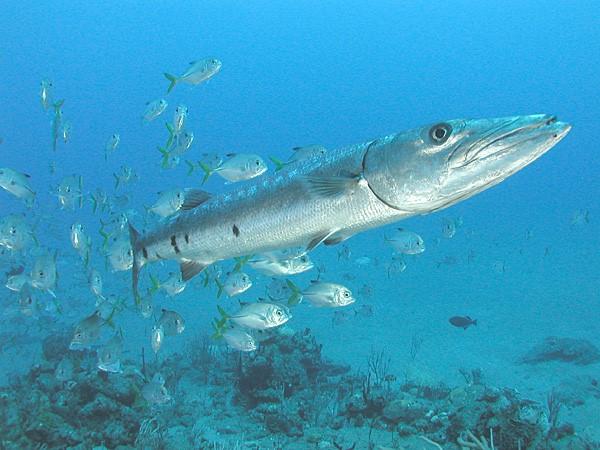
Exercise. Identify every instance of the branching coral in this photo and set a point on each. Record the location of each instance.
(471, 441)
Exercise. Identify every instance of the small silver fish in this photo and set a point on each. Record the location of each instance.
(120, 255)
(171, 322)
(300, 154)
(16, 282)
(57, 121)
(81, 241)
(17, 184)
(154, 109)
(173, 285)
(27, 302)
(15, 233)
(407, 242)
(240, 340)
(126, 175)
(87, 332)
(46, 94)
(146, 306)
(239, 167)
(112, 144)
(155, 392)
(323, 294)
(95, 280)
(179, 118)
(70, 192)
(157, 339)
(448, 228)
(260, 316)
(64, 370)
(109, 355)
(199, 71)
(277, 268)
(236, 283)
(43, 274)
(65, 131)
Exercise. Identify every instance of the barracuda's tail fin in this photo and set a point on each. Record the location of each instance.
(137, 264)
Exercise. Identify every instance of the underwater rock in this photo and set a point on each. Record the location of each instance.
(56, 346)
(576, 351)
(406, 409)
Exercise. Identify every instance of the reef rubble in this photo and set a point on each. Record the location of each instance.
(285, 395)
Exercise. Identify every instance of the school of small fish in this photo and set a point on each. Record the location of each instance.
(37, 287)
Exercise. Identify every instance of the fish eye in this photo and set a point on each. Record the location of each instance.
(41, 273)
(440, 133)
(279, 312)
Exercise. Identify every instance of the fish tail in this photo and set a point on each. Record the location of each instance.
(134, 236)
(278, 163)
(240, 261)
(165, 157)
(94, 204)
(155, 284)
(105, 237)
(173, 79)
(219, 325)
(191, 167)
(220, 288)
(296, 296)
(207, 171)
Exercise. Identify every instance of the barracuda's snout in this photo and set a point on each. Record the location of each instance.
(436, 166)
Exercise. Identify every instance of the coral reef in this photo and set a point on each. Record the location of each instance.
(285, 395)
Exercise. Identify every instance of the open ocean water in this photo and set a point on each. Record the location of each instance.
(391, 370)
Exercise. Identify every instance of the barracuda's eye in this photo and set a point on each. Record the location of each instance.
(440, 133)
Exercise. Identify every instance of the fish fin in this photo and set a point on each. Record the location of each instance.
(474, 322)
(155, 284)
(191, 167)
(331, 186)
(224, 315)
(336, 238)
(296, 296)
(240, 262)
(171, 131)
(194, 198)
(173, 79)
(206, 279)
(137, 265)
(51, 292)
(278, 163)
(318, 239)
(94, 204)
(189, 269)
(220, 288)
(207, 171)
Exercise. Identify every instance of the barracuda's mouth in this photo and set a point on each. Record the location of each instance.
(519, 136)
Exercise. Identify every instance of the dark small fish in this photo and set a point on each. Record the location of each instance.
(15, 271)
(462, 322)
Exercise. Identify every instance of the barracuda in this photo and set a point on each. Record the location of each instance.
(334, 196)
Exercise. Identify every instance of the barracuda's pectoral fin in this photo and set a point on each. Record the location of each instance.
(332, 186)
(193, 198)
(319, 239)
(337, 238)
(189, 269)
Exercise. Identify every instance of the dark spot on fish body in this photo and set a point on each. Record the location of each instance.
(236, 230)
(187, 238)
(145, 252)
(174, 244)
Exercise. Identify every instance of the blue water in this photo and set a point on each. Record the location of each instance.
(330, 73)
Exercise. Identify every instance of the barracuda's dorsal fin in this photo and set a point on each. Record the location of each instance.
(332, 186)
(189, 269)
(194, 197)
